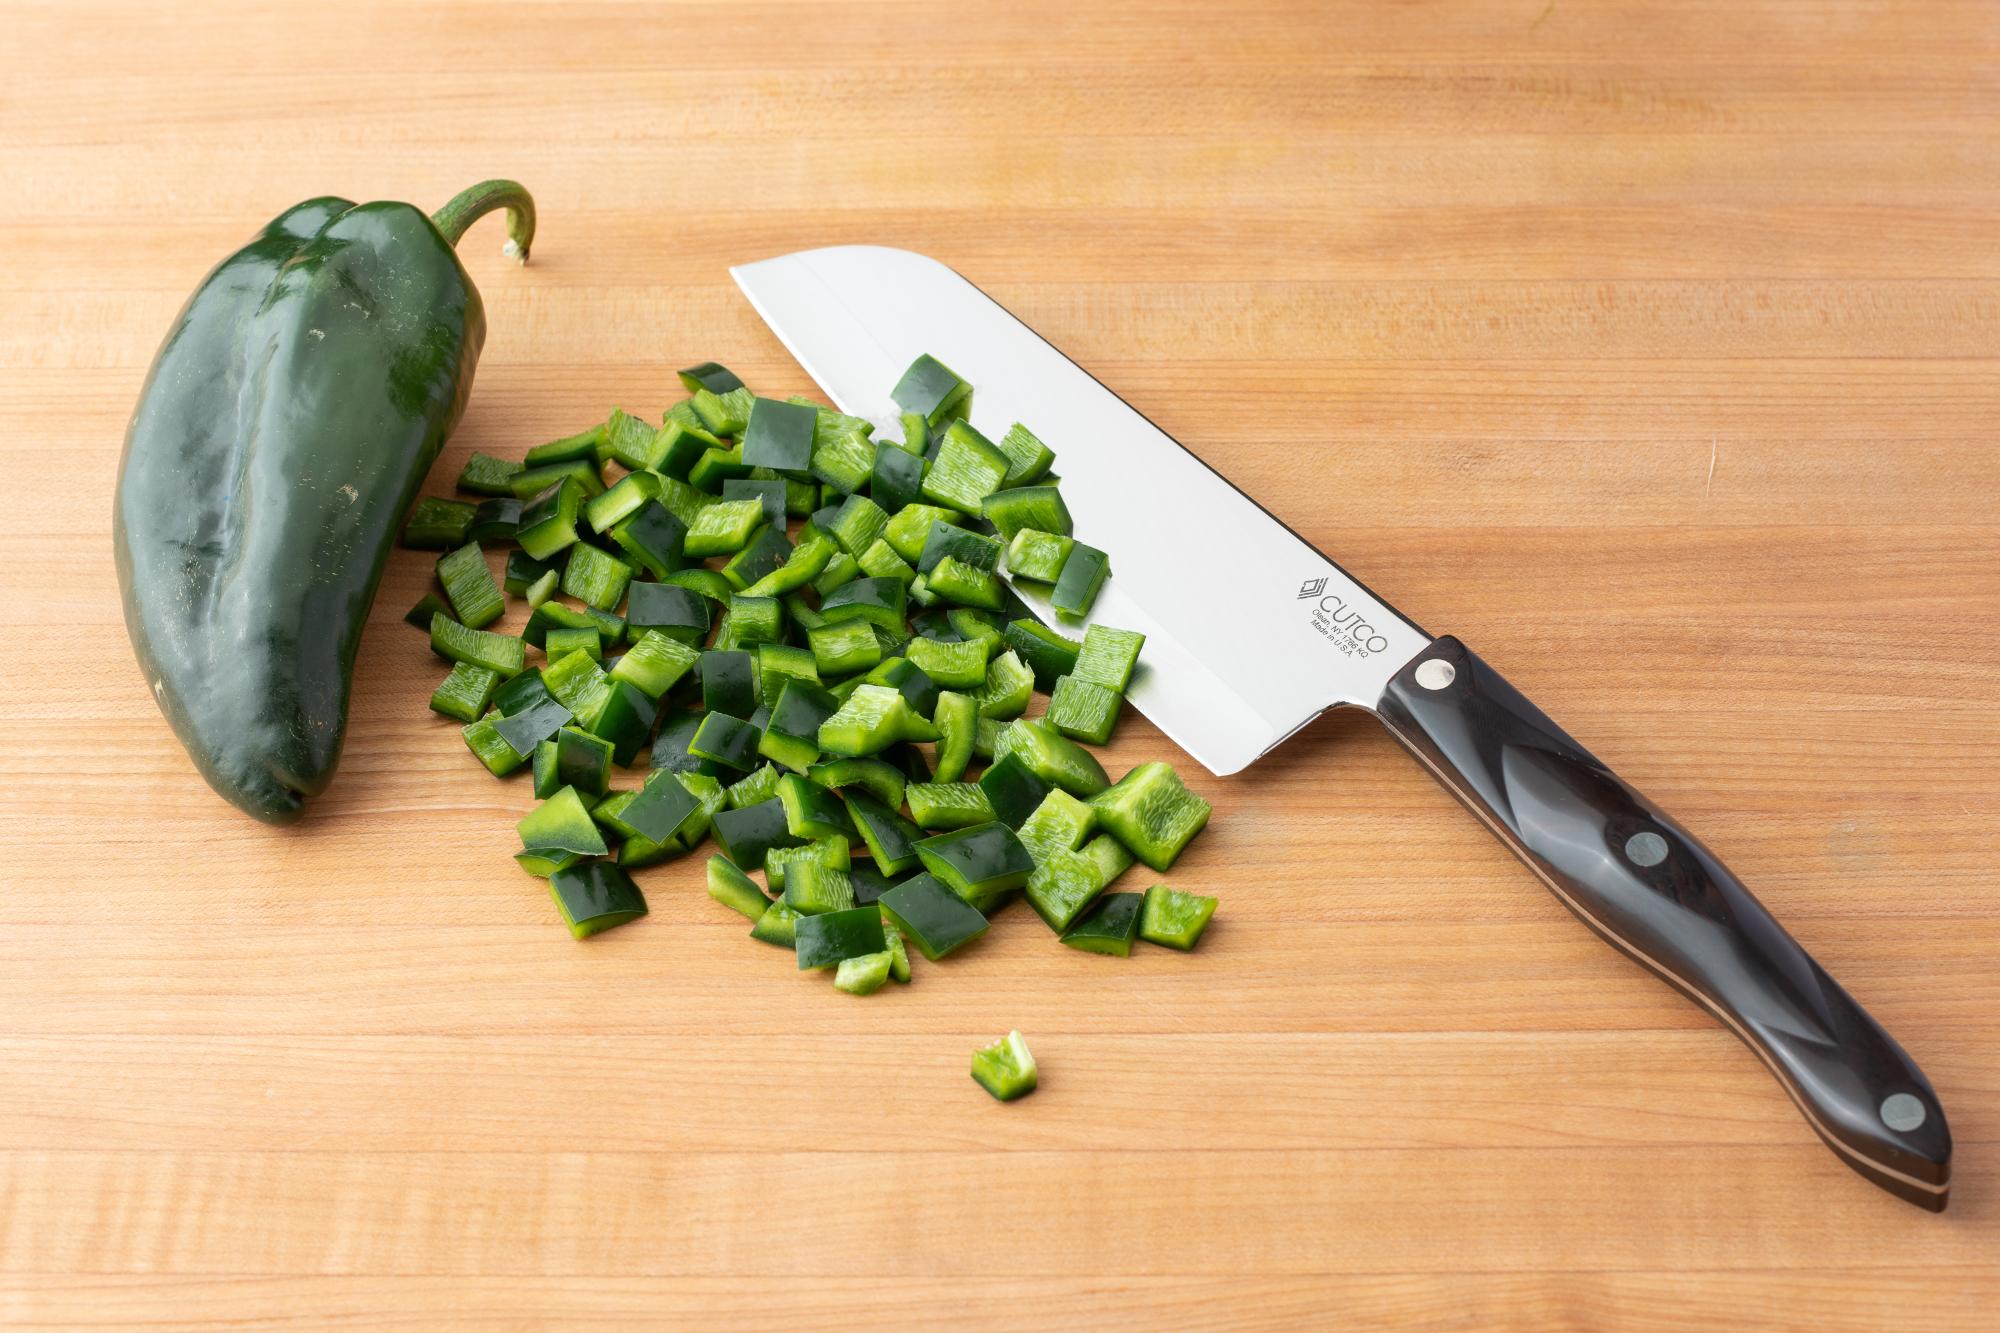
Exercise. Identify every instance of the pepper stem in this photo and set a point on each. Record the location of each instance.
(455, 217)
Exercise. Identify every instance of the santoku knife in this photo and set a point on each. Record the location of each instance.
(1304, 636)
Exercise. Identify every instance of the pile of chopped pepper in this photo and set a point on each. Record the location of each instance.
(816, 699)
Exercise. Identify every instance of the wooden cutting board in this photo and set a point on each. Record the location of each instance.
(1649, 348)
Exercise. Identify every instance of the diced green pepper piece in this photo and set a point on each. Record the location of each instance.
(651, 537)
(825, 939)
(631, 440)
(929, 389)
(1063, 884)
(1025, 509)
(1076, 589)
(811, 811)
(843, 456)
(655, 663)
(524, 571)
(729, 741)
(947, 804)
(834, 853)
(625, 719)
(729, 682)
(662, 807)
(483, 474)
(1108, 657)
(791, 737)
(465, 691)
(559, 643)
(1052, 757)
(858, 524)
(1008, 687)
(430, 604)
(542, 588)
(1006, 1068)
(916, 433)
(495, 520)
(548, 522)
(777, 665)
(489, 747)
(1059, 824)
(1028, 459)
(981, 864)
(1012, 791)
(956, 666)
(863, 975)
(761, 785)
(621, 501)
(763, 555)
(957, 720)
(670, 750)
(522, 692)
(437, 525)
(965, 585)
(777, 926)
(669, 611)
(560, 826)
(881, 561)
(912, 681)
(987, 736)
(891, 839)
(746, 835)
(877, 601)
(842, 647)
(500, 653)
(1037, 556)
(722, 528)
(1173, 918)
(595, 896)
(734, 889)
(1152, 813)
(708, 582)
(898, 478)
(708, 375)
(554, 615)
(875, 776)
(583, 444)
(840, 569)
(532, 725)
(967, 469)
(531, 482)
(580, 684)
(909, 529)
(779, 435)
(572, 758)
(1084, 711)
(961, 544)
(982, 627)
(869, 885)
(596, 577)
(725, 413)
(873, 718)
(813, 888)
(469, 585)
(934, 918)
(1108, 926)
(1109, 856)
(804, 563)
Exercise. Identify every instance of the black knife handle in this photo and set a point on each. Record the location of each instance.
(1650, 888)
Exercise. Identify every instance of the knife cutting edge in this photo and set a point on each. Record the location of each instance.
(1305, 636)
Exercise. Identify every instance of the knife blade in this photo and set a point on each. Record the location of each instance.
(1243, 651)
(1304, 634)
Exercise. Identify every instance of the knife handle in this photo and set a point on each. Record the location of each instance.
(1652, 890)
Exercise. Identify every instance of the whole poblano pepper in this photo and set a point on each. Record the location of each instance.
(299, 398)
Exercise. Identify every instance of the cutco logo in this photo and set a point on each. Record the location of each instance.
(1341, 624)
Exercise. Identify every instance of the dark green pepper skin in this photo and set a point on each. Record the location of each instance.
(288, 420)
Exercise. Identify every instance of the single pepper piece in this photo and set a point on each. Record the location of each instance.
(292, 411)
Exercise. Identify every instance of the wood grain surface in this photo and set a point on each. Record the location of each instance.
(1647, 347)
